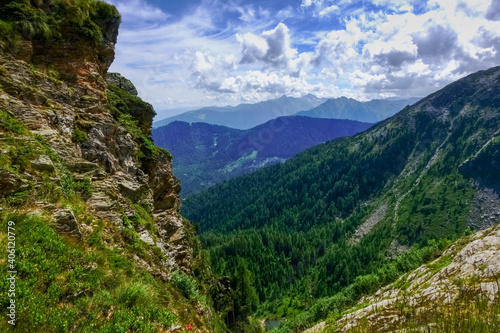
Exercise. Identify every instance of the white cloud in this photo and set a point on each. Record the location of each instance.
(254, 48)
(409, 54)
(211, 72)
(201, 59)
(139, 11)
(272, 47)
(330, 10)
(396, 5)
(257, 85)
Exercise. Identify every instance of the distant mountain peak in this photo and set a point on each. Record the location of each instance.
(246, 116)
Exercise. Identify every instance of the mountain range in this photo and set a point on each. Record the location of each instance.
(246, 116)
(342, 218)
(347, 108)
(207, 154)
(374, 232)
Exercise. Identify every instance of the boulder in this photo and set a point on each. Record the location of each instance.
(66, 223)
(43, 163)
(9, 182)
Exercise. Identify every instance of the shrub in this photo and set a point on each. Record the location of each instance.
(134, 294)
(79, 136)
(84, 187)
(90, 30)
(11, 124)
(187, 285)
(19, 198)
(148, 149)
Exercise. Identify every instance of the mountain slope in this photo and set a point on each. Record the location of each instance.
(246, 116)
(457, 292)
(348, 108)
(208, 154)
(89, 206)
(375, 204)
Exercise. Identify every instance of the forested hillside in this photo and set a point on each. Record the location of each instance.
(350, 215)
(208, 154)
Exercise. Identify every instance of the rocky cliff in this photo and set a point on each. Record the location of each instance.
(59, 92)
(457, 292)
(75, 144)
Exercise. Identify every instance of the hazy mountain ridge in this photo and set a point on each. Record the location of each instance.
(207, 154)
(404, 187)
(246, 116)
(347, 108)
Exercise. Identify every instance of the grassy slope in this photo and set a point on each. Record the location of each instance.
(94, 284)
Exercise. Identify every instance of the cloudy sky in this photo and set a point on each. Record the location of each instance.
(193, 53)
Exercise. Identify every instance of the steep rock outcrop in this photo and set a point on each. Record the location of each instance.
(57, 88)
(431, 297)
(94, 202)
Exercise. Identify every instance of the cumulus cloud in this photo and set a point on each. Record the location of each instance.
(394, 53)
(410, 54)
(254, 48)
(236, 53)
(257, 85)
(210, 72)
(336, 53)
(437, 42)
(272, 47)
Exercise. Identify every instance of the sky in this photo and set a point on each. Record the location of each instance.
(188, 54)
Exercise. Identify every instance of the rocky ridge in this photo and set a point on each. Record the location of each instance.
(59, 91)
(455, 288)
(90, 194)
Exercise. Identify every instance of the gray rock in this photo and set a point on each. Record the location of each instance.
(120, 81)
(66, 223)
(101, 201)
(146, 237)
(43, 163)
(81, 166)
(130, 189)
(9, 182)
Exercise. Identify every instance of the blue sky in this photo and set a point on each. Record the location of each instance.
(188, 54)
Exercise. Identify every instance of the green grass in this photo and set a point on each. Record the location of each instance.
(43, 20)
(79, 136)
(61, 286)
(440, 263)
(188, 286)
(11, 124)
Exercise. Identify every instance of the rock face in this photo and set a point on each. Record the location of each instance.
(66, 223)
(466, 273)
(9, 182)
(58, 91)
(121, 82)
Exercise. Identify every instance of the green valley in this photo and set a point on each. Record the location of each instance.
(391, 227)
(348, 216)
(208, 154)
